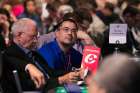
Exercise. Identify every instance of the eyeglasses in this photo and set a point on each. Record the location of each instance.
(33, 37)
(66, 29)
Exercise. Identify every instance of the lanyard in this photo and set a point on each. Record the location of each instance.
(67, 62)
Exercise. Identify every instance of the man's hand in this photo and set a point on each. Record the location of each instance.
(71, 77)
(82, 35)
(36, 75)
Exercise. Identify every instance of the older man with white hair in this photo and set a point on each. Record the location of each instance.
(15, 58)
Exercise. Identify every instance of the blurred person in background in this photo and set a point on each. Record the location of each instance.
(8, 7)
(45, 11)
(4, 28)
(97, 27)
(129, 18)
(135, 30)
(103, 17)
(63, 9)
(31, 12)
(134, 3)
(122, 4)
(84, 20)
(117, 75)
(50, 21)
(107, 14)
(100, 4)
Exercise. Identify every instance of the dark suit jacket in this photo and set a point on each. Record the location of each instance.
(2, 43)
(1, 62)
(16, 59)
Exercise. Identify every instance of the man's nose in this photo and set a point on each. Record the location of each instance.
(69, 32)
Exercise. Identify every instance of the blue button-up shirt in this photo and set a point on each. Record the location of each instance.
(56, 58)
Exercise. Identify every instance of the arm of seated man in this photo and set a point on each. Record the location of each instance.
(36, 75)
(21, 65)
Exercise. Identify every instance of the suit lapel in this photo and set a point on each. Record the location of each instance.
(16, 51)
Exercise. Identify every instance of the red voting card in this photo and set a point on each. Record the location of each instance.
(90, 59)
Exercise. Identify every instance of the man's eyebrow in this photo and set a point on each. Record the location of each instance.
(68, 27)
(65, 26)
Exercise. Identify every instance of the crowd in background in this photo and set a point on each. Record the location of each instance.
(93, 18)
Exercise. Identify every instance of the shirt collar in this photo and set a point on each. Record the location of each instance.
(24, 49)
(58, 47)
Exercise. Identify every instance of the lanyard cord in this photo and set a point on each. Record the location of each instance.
(67, 62)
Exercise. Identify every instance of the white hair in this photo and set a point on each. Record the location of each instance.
(22, 25)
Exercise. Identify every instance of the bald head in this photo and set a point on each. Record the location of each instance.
(118, 74)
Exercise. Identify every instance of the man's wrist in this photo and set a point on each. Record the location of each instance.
(27, 66)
